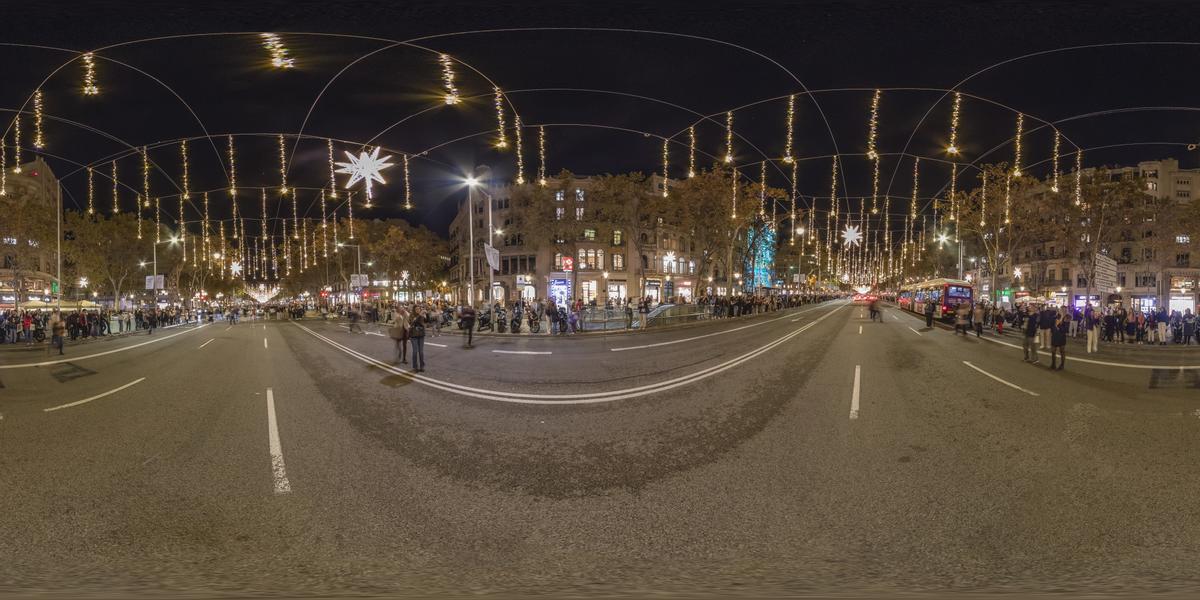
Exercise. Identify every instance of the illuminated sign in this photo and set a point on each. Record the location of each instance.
(568, 263)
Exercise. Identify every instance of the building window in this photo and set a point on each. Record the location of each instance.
(1183, 194)
(579, 213)
(1147, 254)
(1127, 253)
(558, 261)
(589, 234)
(558, 196)
(1121, 279)
(1182, 260)
(618, 261)
(1183, 239)
(617, 239)
(691, 267)
(1050, 275)
(1152, 186)
(1146, 280)
(1183, 182)
(578, 195)
(559, 212)
(1066, 275)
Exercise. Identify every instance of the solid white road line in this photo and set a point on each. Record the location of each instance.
(1011, 385)
(373, 333)
(265, 343)
(519, 352)
(700, 337)
(895, 317)
(278, 472)
(860, 330)
(228, 327)
(96, 397)
(206, 343)
(566, 399)
(1102, 362)
(914, 331)
(98, 354)
(854, 396)
(433, 344)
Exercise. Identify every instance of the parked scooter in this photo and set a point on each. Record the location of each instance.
(515, 323)
(485, 321)
(535, 324)
(501, 320)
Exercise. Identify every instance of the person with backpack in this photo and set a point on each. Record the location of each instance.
(416, 333)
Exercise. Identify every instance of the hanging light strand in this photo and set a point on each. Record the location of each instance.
(324, 228)
(666, 164)
(182, 229)
(157, 220)
(3, 168)
(332, 176)
(17, 143)
(184, 180)
(448, 78)
(792, 222)
(1057, 141)
(283, 188)
(232, 169)
(264, 214)
(729, 136)
(542, 155)
(91, 191)
(1007, 198)
(762, 189)
(279, 53)
(116, 204)
(873, 125)
(501, 134)
(39, 139)
(952, 149)
(791, 116)
(520, 150)
(692, 151)
(89, 74)
(407, 187)
(983, 201)
(1017, 145)
(1079, 177)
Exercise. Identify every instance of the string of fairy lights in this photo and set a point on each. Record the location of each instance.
(301, 242)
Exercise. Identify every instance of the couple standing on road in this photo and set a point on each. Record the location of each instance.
(406, 330)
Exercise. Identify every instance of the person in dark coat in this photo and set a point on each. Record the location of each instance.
(1058, 340)
(928, 315)
(1031, 336)
(1046, 321)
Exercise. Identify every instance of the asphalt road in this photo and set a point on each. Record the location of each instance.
(807, 452)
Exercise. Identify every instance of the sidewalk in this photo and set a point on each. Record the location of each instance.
(81, 341)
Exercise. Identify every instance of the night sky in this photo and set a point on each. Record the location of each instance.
(225, 80)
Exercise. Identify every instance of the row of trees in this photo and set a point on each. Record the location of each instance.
(1020, 214)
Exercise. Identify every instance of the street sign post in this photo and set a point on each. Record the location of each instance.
(1106, 274)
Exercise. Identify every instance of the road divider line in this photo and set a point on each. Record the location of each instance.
(96, 397)
(565, 399)
(1011, 385)
(519, 352)
(99, 354)
(914, 331)
(278, 471)
(206, 343)
(265, 343)
(707, 335)
(860, 330)
(855, 394)
(895, 317)
(435, 344)
(228, 327)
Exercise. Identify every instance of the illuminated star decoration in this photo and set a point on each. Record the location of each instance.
(365, 167)
(851, 236)
(235, 268)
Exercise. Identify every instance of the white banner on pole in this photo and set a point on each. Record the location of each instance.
(493, 256)
(154, 282)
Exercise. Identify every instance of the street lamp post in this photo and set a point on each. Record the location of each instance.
(358, 255)
(473, 184)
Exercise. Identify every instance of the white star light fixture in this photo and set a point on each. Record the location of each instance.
(235, 268)
(851, 236)
(365, 167)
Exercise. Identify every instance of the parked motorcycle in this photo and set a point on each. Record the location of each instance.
(501, 320)
(485, 321)
(515, 324)
(535, 324)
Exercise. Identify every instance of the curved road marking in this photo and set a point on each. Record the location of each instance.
(700, 337)
(96, 397)
(1103, 363)
(98, 354)
(588, 398)
(1011, 385)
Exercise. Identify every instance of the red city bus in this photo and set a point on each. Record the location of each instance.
(946, 294)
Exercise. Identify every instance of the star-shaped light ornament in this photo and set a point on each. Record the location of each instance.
(235, 268)
(851, 236)
(365, 167)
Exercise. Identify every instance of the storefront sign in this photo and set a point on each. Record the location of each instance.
(1183, 282)
(568, 263)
